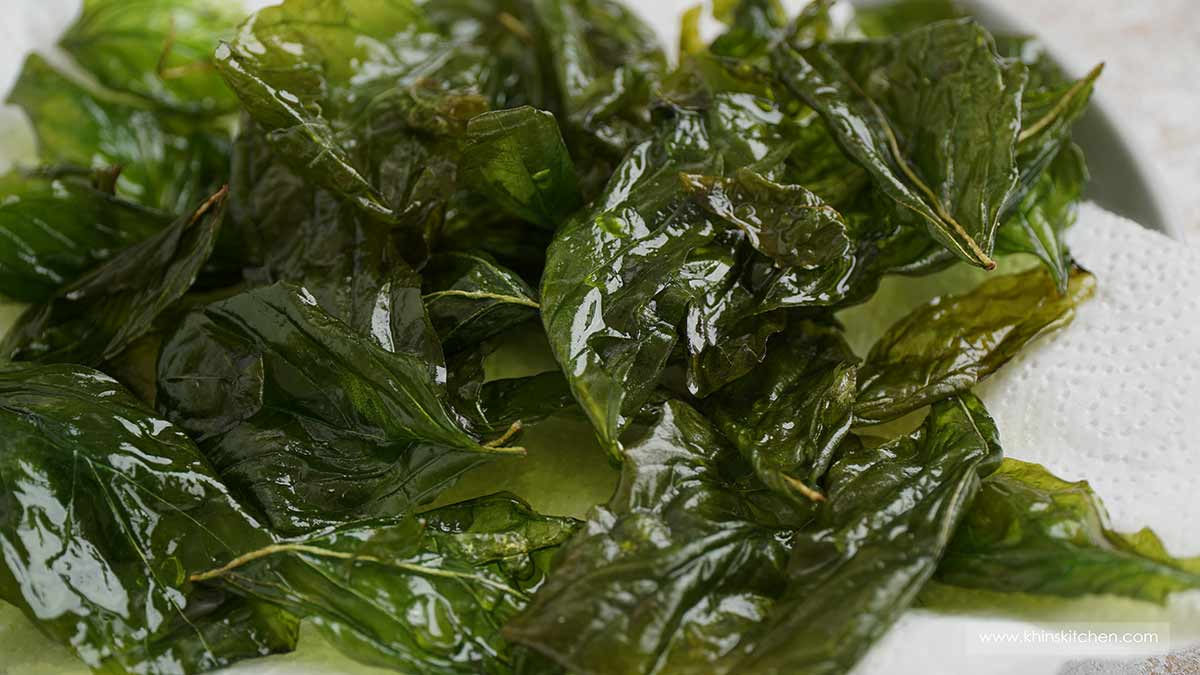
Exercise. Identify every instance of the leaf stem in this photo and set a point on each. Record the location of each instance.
(483, 295)
(1059, 107)
(799, 486)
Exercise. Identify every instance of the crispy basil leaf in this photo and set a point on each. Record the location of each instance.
(752, 26)
(94, 318)
(933, 116)
(901, 16)
(517, 158)
(105, 508)
(788, 416)
(471, 298)
(308, 420)
(1040, 221)
(949, 345)
(57, 225)
(160, 50)
(787, 223)
(890, 514)
(424, 594)
(651, 567)
(1049, 113)
(1031, 532)
(167, 162)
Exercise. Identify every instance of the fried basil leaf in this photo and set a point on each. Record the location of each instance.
(901, 16)
(156, 49)
(1031, 532)
(890, 514)
(421, 594)
(105, 508)
(308, 420)
(471, 298)
(933, 116)
(788, 416)
(167, 162)
(518, 159)
(57, 225)
(1049, 113)
(949, 345)
(94, 318)
(787, 223)
(649, 568)
(1038, 224)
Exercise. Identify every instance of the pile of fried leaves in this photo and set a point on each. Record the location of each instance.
(271, 270)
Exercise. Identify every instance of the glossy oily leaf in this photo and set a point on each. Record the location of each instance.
(94, 318)
(105, 508)
(1049, 114)
(423, 594)
(167, 163)
(307, 420)
(951, 344)
(57, 226)
(901, 16)
(889, 516)
(1038, 224)
(753, 26)
(787, 223)
(788, 416)
(649, 568)
(1031, 532)
(933, 116)
(471, 298)
(518, 159)
(161, 51)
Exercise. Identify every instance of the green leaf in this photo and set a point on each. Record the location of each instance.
(105, 508)
(1030, 532)
(1049, 113)
(158, 50)
(471, 298)
(901, 16)
(890, 514)
(788, 416)
(787, 223)
(518, 159)
(94, 318)
(952, 343)
(1038, 224)
(423, 594)
(57, 225)
(651, 567)
(753, 26)
(167, 162)
(308, 420)
(932, 115)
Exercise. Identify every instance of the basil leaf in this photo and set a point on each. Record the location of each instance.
(308, 420)
(789, 415)
(901, 16)
(1031, 532)
(648, 567)
(1038, 224)
(949, 345)
(471, 298)
(105, 508)
(889, 517)
(518, 158)
(161, 51)
(421, 594)
(57, 225)
(932, 115)
(167, 162)
(94, 318)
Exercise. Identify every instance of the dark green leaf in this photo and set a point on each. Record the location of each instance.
(933, 116)
(1049, 113)
(157, 49)
(105, 509)
(1030, 532)
(94, 318)
(901, 16)
(55, 226)
(166, 162)
(308, 420)
(649, 570)
(753, 26)
(421, 595)
(789, 415)
(518, 159)
(470, 298)
(1040, 221)
(890, 514)
(951, 344)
